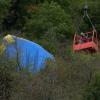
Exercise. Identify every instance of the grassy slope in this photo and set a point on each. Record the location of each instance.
(65, 80)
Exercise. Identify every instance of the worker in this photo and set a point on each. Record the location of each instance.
(84, 35)
(82, 38)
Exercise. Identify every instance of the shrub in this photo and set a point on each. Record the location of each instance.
(7, 68)
(63, 80)
(92, 91)
(5, 5)
(11, 80)
(49, 16)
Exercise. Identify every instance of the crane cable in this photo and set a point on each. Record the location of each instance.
(86, 14)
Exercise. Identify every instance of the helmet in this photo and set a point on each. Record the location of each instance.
(82, 33)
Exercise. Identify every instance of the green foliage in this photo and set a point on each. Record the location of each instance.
(50, 24)
(93, 89)
(12, 82)
(4, 8)
(63, 80)
(40, 16)
(50, 16)
(94, 13)
(51, 47)
(7, 68)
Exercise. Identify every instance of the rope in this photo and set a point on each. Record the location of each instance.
(86, 14)
(79, 24)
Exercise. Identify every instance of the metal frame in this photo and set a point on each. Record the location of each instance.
(90, 44)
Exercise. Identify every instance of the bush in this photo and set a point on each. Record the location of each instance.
(13, 82)
(63, 80)
(92, 91)
(50, 17)
(7, 68)
(5, 5)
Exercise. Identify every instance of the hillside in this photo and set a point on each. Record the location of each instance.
(51, 24)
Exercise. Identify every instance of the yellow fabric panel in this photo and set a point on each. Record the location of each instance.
(9, 39)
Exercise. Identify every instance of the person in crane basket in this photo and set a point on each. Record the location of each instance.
(83, 37)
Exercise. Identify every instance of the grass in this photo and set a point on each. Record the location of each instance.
(63, 80)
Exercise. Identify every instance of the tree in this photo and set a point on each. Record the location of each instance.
(4, 7)
(49, 16)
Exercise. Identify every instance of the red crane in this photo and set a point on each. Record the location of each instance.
(89, 43)
(86, 41)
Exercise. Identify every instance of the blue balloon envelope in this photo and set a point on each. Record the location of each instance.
(28, 54)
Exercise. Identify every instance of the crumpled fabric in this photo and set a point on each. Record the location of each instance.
(28, 54)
